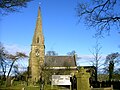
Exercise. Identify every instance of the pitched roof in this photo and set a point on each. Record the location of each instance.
(60, 61)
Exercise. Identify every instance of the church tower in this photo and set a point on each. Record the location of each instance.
(37, 53)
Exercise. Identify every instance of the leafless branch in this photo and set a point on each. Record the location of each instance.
(12, 5)
(101, 14)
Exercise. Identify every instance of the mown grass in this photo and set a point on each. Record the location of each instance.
(19, 87)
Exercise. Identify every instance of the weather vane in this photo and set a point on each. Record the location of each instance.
(40, 3)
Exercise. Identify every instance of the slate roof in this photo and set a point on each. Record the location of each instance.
(60, 61)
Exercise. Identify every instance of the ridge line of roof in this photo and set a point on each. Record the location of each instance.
(58, 56)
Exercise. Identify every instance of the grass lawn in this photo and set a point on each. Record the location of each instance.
(19, 87)
(47, 87)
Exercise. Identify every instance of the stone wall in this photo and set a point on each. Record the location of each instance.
(102, 88)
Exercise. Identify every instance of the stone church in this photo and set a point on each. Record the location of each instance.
(38, 59)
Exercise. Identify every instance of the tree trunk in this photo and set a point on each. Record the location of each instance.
(96, 74)
(7, 79)
(3, 70)
(111, 69)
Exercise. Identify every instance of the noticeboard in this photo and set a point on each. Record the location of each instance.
(61, 80)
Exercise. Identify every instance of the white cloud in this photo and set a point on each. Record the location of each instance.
(85, 60)
(13, 48)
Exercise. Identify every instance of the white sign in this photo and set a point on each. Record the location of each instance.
(61, 80)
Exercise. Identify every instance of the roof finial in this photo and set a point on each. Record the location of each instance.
(39, 4)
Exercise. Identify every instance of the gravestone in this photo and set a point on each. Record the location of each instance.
(83, 80)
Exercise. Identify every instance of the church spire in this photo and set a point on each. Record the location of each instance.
(39, 14)
(38, 35)
(37, 53)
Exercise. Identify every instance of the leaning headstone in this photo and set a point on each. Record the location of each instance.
(83, 80)
(23, 88)
(12, 81)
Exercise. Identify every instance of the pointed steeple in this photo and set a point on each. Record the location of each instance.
(39, 14)
(38, 35)
(37, 53)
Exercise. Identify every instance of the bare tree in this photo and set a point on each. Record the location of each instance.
(7, 61)
(12, 5)
(73, 53)
(13, 59)
(51, 53)
(3, 58)
(96, 52)
(110, 62)
(101, 14)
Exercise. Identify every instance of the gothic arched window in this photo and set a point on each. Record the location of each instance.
(37, 39)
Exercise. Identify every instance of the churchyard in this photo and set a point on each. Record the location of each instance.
(82, 83)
